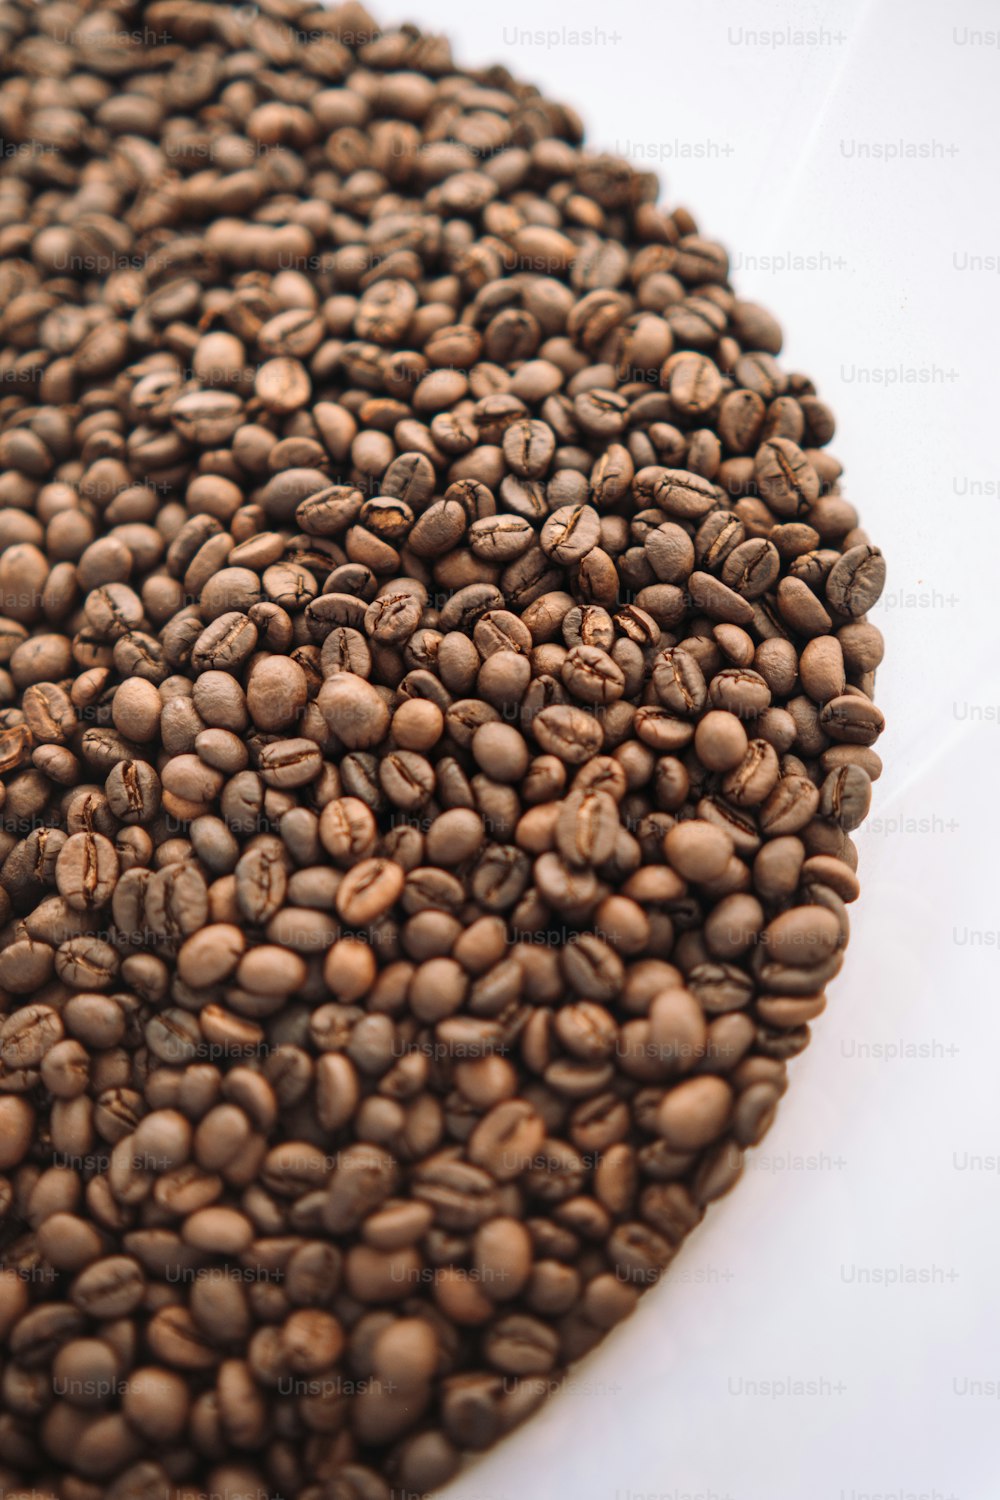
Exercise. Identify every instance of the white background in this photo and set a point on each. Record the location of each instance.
(779, 146)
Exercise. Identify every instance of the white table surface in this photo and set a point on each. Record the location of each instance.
(829, 1332)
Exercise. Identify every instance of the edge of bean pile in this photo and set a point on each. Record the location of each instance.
(436, 695)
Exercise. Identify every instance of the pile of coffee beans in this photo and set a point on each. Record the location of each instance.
(435, 699)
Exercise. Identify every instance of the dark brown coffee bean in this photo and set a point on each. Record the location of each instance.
(353, 710)
(852, 720)
(569, 733)
(695, 1113)
(368, 891)
(785, 478)
(586, 828)
(290, 763)
(856, 580)
(86, 871)
(751, 568)
(845, 796)
(679, 682)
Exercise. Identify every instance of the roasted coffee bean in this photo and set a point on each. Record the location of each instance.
(751, 782)
(368, 891)
(752, 568)
(354, 711)
(679, 682)
(785, 478)
(698, 850)
(845, 796)
(570, 533)
(856, 580)
(851, 720)
(720, 740)
(86, 871)
(133, 791)
(569, 733)
(695, 1113)
(586, 828)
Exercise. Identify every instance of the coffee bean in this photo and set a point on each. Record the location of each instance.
(851, 720)
(110, 1288)
(695, 1113)
(86, 871)
(845, 796)
(789, 807)
(500, 751)
(570, 533)
(698, 850)
(593, 676)
(751, 568)
(720, 740)
(856, 581)
(28, 1035)
(568, 733)
(718, 601)
(805, 937)
(368, 891)
(290, 763)
(354, 710)
(586, 828)
(679, 682)
(17, 1117)
(225, 644)
(785, 478)
(751, 782)
(276, 693)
